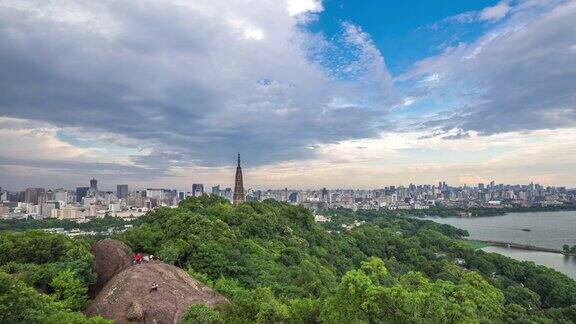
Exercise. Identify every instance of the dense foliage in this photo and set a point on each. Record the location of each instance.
(44, 278)
(276, 264)
(97, 224)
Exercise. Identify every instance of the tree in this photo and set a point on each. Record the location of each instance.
(20, 303)
(200, 314)
(522, 296)
(69, 291)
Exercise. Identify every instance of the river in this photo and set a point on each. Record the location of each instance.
(547, 229)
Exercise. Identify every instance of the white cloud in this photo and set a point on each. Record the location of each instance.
(496, 12)
(23, 139)
(543, 156)
(297, 7)
(517, 76)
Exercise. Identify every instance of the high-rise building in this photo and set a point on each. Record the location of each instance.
(81, 192)
(324, 195)
(94, 184)
(122, 191)
(216, 190)
(197, 189)
(238, 185)
(32, 195)
(228, 193)
(60, 195)
(155, 193)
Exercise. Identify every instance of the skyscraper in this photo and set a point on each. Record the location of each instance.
(122, 191)
(81, 192)
(94, 184)
(239, 185)
(197, 189)
(34, 195)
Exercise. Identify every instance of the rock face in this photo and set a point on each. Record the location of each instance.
(128, 297)
(110, 258)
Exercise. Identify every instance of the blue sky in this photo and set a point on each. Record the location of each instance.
(403, 29)
(314, 93)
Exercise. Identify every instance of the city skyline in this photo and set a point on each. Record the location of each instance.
(206, 187)
(335, 94)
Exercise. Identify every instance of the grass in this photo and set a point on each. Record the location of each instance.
(475, 244)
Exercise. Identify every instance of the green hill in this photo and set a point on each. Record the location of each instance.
(277, 265)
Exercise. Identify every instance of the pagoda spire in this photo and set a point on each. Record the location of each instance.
(238, 185)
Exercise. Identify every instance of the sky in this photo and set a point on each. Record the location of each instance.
(332, 93)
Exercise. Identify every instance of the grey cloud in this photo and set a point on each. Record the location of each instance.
(19, 173)
(181, 78)
(520, 76)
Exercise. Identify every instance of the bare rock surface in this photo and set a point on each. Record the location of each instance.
(128, 297)
(110, 258)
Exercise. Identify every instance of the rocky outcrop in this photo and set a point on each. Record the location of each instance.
(128, 298)
(110, 258)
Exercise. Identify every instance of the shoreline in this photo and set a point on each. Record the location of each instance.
(450, 212)
(522, 247)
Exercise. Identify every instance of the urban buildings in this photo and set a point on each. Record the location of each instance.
(197, 189)
(88, 202)
(122, 191)
(81, 192)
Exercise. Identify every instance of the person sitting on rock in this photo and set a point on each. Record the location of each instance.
(137, 258)
(154, 287)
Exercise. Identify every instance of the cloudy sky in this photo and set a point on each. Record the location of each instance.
(333, 93)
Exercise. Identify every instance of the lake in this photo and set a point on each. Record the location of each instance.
(547, 229)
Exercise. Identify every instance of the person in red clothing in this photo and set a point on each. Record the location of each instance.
(137, 257)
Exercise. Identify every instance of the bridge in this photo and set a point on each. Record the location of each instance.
(524, 247)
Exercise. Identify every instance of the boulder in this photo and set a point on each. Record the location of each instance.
(110, 258)
(128, 297)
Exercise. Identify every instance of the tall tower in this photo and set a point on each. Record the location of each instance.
(94, 184)
(239, 185)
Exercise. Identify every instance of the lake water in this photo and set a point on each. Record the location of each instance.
(547, 229)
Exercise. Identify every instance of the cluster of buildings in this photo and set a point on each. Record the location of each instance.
(81, 204)
(86, 203)
(425, 196)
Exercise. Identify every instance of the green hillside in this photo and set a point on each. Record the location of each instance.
(277, 265)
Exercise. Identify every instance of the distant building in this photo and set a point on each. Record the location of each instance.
(197, 189)
(122, 191)
(293, 198)
(238, 185)
(81, 192)
(228, 193)
(61, 195)
(93, 191)
(94, 184)
(33, 195)
(155, 193)
(216, 190)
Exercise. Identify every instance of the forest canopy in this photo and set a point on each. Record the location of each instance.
(276, 264)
